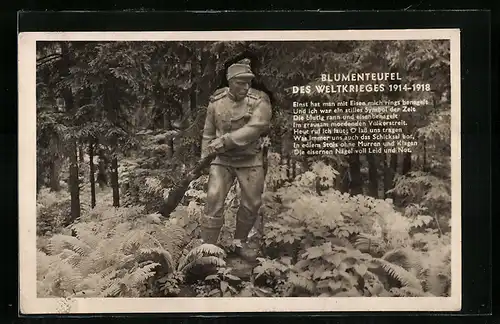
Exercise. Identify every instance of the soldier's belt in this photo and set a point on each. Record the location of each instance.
(242, 154)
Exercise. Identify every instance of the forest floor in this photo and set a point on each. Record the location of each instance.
(327, 244)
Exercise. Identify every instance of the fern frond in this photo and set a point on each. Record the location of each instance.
(158, 255)
(365, 242)
(44, 264)
(173, 238)
(200, 251)
(203, 261)
(210, 249)
(119, 282)
(59, 242)
(399, 273)
(120, 229)
(62, 278)
(91, 282)
(109, 274)
(95, 261)
(70, 256)
(405, 259)
(138, 238)
(141, 274)
(85, 234)
(113, 290)
(127, 262)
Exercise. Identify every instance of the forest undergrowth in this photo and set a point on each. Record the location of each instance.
(312, 243)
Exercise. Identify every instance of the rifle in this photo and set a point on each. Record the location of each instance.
(177, 193)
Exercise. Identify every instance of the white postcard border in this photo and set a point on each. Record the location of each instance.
(30, 304)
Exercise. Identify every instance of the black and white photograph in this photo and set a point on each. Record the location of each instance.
(240, 171)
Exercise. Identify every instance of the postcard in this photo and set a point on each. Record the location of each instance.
(239, 171)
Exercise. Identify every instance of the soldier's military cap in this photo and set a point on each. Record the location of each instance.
(241, 69)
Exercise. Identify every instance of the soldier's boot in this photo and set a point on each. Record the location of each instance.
(211, 228)
(245, 219)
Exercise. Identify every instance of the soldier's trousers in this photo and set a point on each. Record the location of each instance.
(221, 178)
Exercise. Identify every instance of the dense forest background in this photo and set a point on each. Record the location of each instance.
(119, 122)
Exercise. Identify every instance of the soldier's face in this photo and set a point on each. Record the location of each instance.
(239, 87)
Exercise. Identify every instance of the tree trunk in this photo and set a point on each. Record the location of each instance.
(305, 163)
(102, 166)
(356, 185)
(92, 175)
(167, 125)
(343, 180)
(402, 68)
(390, 173)
(193, 107)
(74, 183)
(40, 179)
(406, 163)
(281, 163)
(73, 159)
(372, 175)
(424, 163)
(112, 106)
(114, 181)
(80, 153)
(55, 170)
(388, 176)
(55, 167)
(288, 167)
(394, 163)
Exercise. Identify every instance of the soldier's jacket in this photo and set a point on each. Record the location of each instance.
(243, 122)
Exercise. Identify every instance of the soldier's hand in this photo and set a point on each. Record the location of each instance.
(216, 146)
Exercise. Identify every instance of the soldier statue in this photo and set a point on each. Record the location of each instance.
(237, 118)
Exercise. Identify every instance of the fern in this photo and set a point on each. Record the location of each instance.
(86, 232)
(399, 273)
(141, 274)
(205, 254)
(61, 279)
(173, 238)
(114, 253)
(367, 243)
(71, 257)
(162, 257)
(127, 283)
(204, 261)
(405, 258)
(437, 270)
(114, 290)
(44, 263)
(139, 238)
(59, 242)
